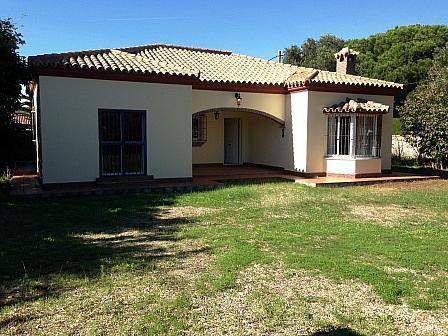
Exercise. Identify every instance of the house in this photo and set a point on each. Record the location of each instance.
(158, 110)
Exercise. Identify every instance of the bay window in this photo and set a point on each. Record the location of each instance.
(354, 135)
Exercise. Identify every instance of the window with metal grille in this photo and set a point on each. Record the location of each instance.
(122, 142)
(368, 136)
(199, 129)
(354, 135)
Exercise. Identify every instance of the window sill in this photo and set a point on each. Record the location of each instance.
(352, 158)
(198, 143)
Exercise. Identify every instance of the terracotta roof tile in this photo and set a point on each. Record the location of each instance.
(314, 76)
(204, 64)
(359, 105)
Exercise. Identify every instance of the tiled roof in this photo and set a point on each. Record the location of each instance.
(221, 66)
(313, 76)
(215, 66)
(112, 60)
(359, 105)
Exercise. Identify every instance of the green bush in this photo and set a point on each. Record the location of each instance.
(5, 177)
(396, 126)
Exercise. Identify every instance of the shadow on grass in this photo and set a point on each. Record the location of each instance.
(254, 181)
(81, 238)
(403, 167)
(336, 331)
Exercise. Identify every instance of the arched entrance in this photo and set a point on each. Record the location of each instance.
(236, 136)
(220, 110)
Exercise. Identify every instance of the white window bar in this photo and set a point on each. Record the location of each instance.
(355, 135)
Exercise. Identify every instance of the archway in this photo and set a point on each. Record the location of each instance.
(241, 110)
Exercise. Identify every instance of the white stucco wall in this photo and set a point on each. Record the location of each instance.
(317, 127)
(35, 104)
(273, 104)
(299, 120)
(266, 144)
(69, 125)
(353, 166)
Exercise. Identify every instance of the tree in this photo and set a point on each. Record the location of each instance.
(402, 54)
(13, 74)
(318, 54)
(424, 114)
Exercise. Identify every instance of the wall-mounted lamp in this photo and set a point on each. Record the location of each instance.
(283, 131)
(238, 98)
(216, 113)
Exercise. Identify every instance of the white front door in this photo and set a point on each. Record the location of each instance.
(231, 141)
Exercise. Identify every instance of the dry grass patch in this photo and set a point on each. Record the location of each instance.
(388, 215)
(436, 184)
(271, 301)
(283, 197)
(114, 303)
(184, 212)
(115, 309)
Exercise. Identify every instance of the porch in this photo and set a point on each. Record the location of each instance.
(244, 172)
(247, 172)
(205, 177)
(236, 136)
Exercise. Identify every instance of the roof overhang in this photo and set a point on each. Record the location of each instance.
(346, 88)
(195, 82)
(198, 84)
(357, 106)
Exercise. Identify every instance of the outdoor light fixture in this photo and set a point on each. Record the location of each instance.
(216, 113)
(283, 131)
(238, 98)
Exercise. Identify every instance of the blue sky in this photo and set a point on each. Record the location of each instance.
(256, 28)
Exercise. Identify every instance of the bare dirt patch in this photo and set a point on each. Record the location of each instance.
(270, 301)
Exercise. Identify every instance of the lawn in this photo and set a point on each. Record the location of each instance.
(252, 258)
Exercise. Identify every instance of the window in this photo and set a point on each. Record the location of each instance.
(122, 142)
(355, 135)
(368, 136)
(199, 129)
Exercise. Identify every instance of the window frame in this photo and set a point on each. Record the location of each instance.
(122, 143)
(201, 131)
(333, 137)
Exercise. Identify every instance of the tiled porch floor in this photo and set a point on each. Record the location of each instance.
(346, 181)
(204, 178)
(222, 173)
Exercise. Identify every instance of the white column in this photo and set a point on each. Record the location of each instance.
(352, 135)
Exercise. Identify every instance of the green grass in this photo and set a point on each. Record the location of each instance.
(127, 267)
(5, 177)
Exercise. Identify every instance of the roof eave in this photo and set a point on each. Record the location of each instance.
(196, 83)
(347, 88)
(192, 80)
